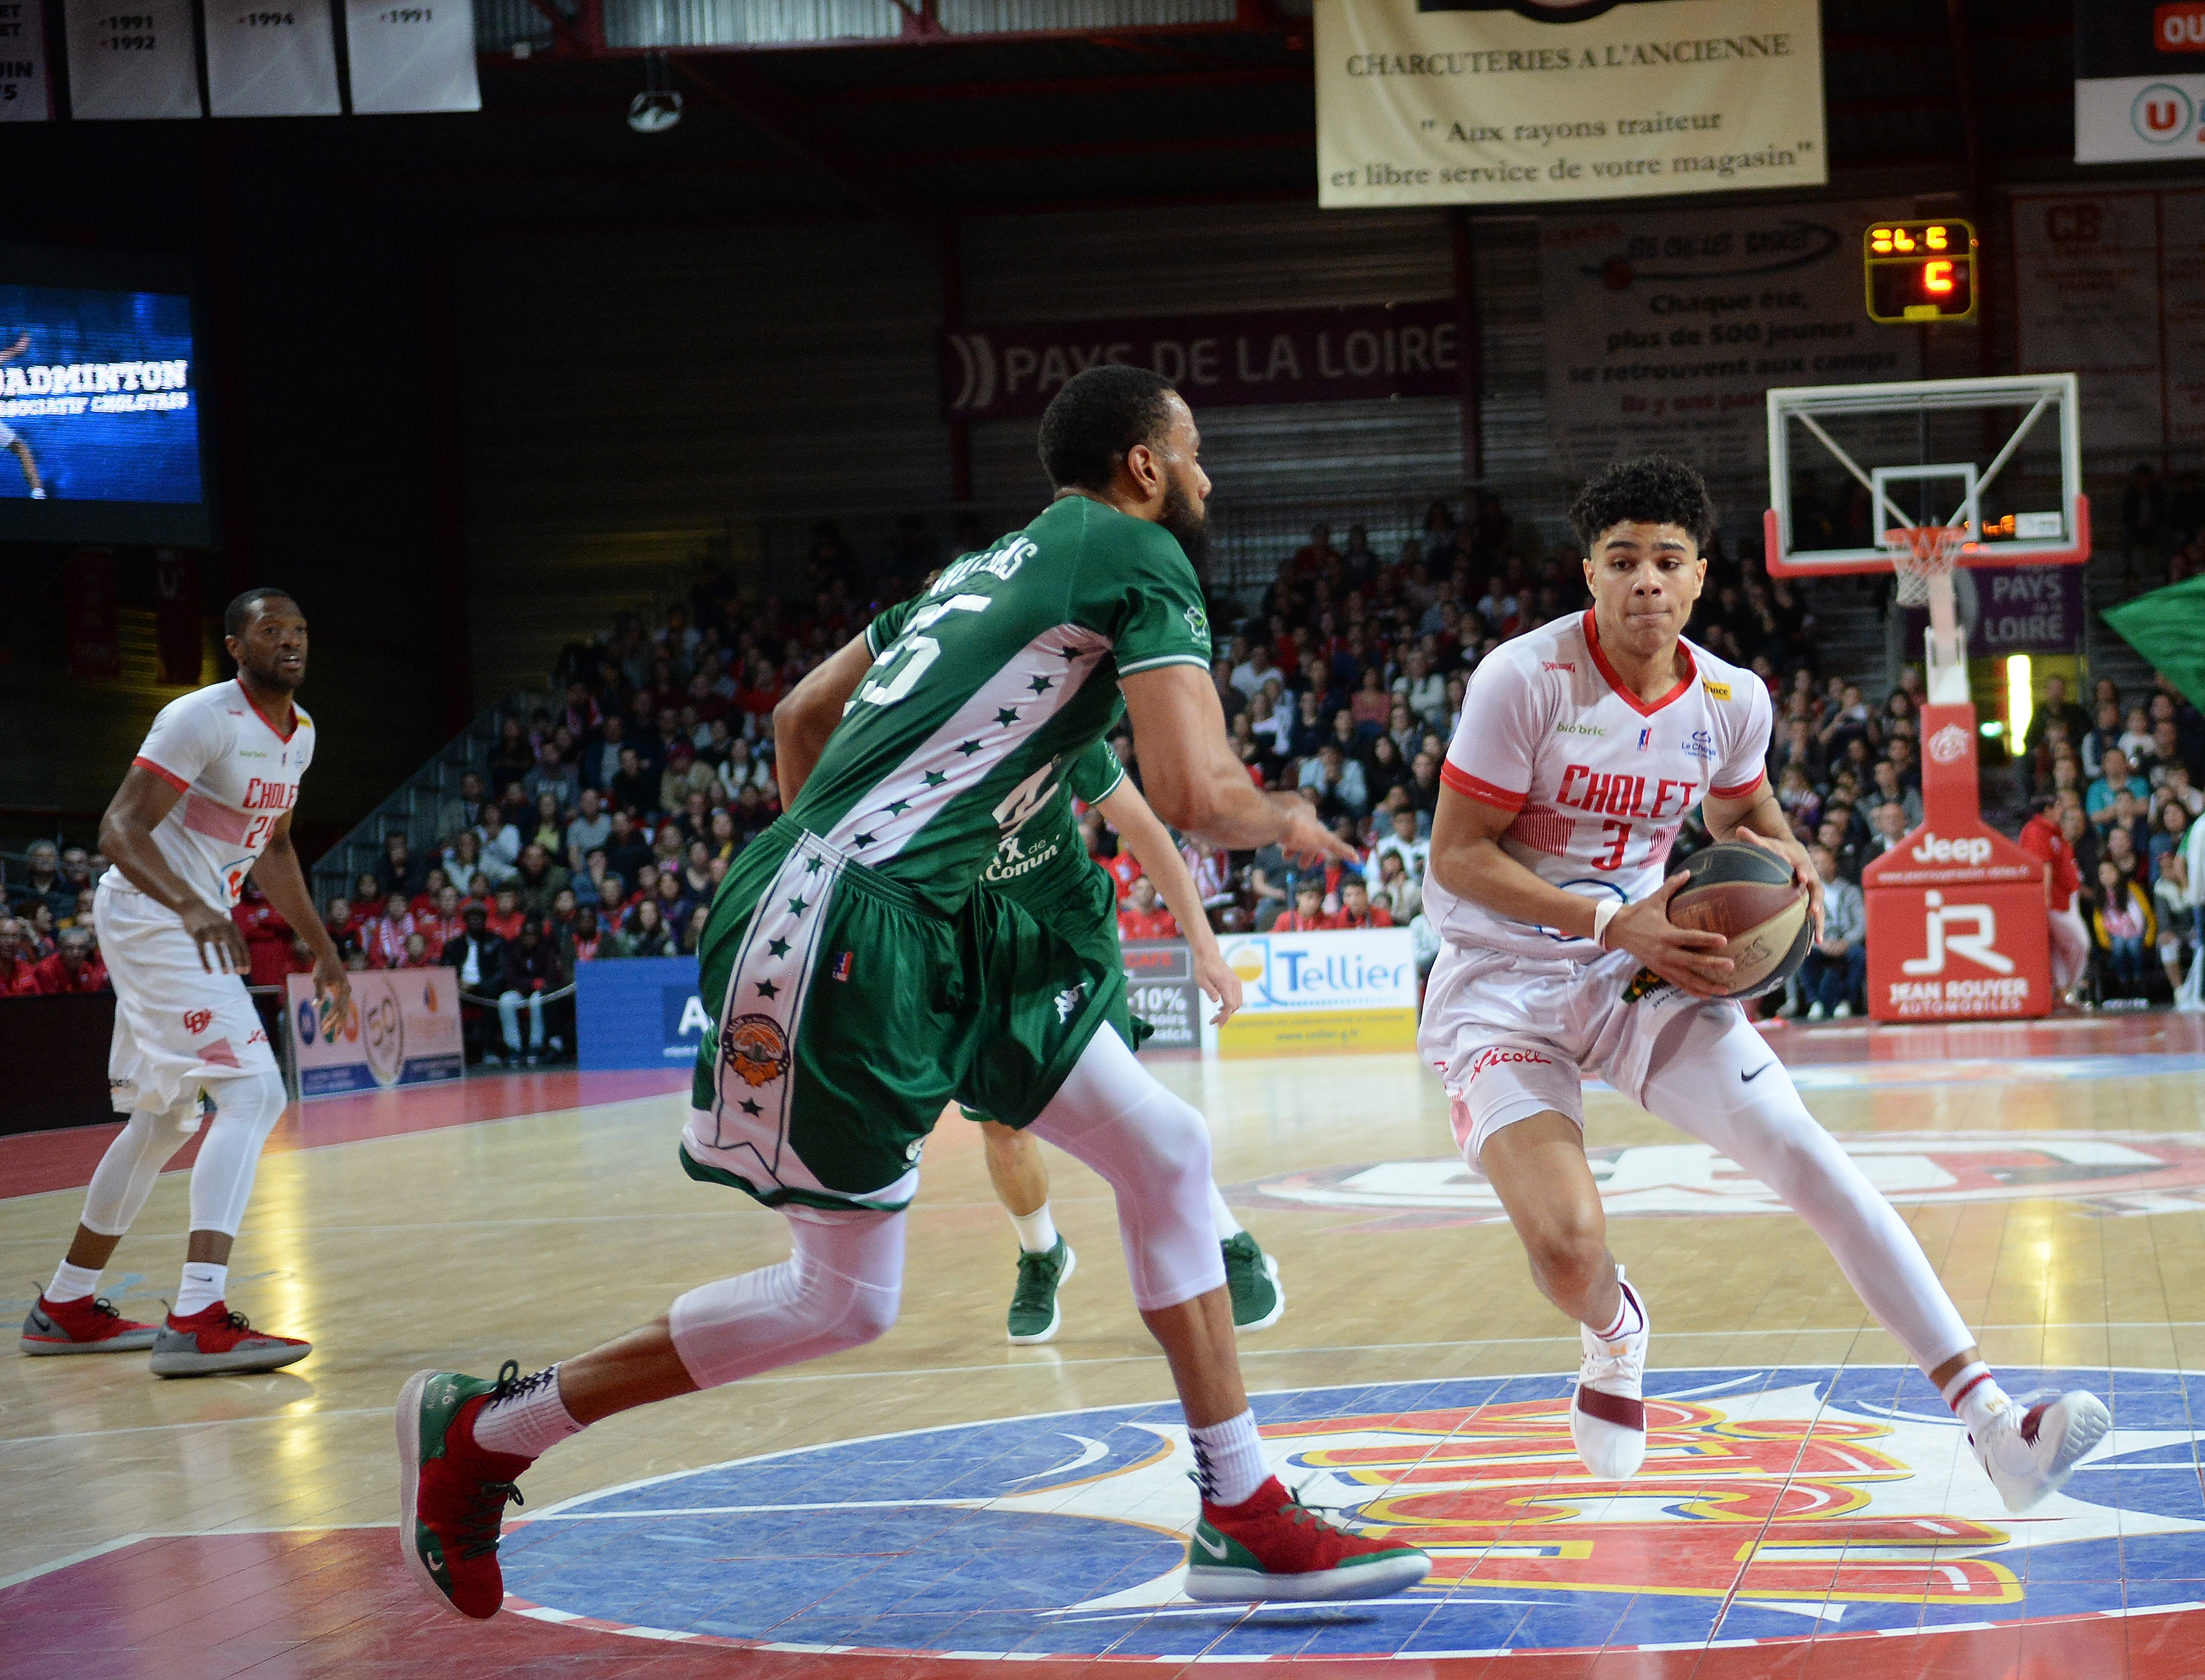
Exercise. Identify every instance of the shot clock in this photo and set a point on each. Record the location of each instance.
(1920, 271)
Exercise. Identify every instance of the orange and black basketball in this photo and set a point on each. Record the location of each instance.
(1747, 894)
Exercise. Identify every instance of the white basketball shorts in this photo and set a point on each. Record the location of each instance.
(176, 1026)
(1513, 1037)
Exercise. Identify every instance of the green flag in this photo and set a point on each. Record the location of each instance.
(2167, 628)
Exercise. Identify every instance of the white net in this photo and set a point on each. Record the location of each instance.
(1920, 553)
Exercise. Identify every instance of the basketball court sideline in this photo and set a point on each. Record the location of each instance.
(1807, 1504)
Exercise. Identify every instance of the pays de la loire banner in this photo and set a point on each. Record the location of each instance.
(1443, 102)
(1666, 331)
(1348, 990)
(1010, 371)
(2139, 80)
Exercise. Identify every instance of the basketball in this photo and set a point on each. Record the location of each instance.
(1747, 895)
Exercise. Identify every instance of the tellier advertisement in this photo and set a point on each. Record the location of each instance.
(1443, 102)
(1353, 990)
(402, 1029)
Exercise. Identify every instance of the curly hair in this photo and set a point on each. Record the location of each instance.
(1097, 417)
(1650, 491)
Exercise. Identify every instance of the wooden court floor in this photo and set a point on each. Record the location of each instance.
(942, 1498)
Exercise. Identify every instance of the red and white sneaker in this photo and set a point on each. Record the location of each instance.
(88, 1325)
(218, 1342)
(1608, 1414)
(1274, 1546)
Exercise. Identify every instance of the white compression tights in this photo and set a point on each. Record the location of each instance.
(841, 1286)
(1763, 1126)
(246, 1112)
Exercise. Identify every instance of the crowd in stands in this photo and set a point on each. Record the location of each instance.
(601, 829)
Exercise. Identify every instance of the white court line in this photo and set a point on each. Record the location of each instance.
(83, 1557)
(1046, 1364)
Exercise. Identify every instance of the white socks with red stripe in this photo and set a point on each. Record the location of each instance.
(1629, 1319)
(1228, 1459)
(1974, 1397)
(529, 1422)
(201, 1287)
(72, 1283)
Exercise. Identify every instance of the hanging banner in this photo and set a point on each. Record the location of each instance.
(25, 94)
(411, 56)
(1444, 102)
(178, 633)
(1258, 356)
(2139, 80)
(272, 60)
(137, 61)
(92, 618)
(2111, 286)
(2009, 609)
(1666, 331)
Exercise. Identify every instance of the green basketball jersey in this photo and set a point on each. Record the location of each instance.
(987, 686)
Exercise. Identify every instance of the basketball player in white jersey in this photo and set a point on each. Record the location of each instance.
(1581, 747)
(206, 802)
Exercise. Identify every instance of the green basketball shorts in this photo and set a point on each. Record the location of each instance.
(848, 1015)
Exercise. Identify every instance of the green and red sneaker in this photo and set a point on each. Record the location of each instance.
(452, 1495)
(1272, 1546)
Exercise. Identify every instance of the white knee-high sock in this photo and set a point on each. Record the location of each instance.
(1154, 1151)
(1221, 1217)
(246, 1111)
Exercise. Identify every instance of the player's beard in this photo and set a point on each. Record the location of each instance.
(1187, 520)
(270, 674)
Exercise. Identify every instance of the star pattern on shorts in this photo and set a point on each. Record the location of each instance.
(863, 839)
(1043, 685)
(936, 778)
(968, 748)
(797, 906)
(1008, 715)
(766, 988)
(1067, 653)
(779, 947)
(813, 865)
(898, 807)
(750, 1105)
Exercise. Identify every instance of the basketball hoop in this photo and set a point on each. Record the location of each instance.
(1920, 553)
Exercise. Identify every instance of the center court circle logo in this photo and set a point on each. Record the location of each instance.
(1775, 1503)
(2108, 1172)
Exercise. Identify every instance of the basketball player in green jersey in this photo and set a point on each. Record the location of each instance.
(861, 978)
(1045, 868)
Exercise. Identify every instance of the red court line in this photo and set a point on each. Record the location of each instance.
(37, 1161)
(338, 1602)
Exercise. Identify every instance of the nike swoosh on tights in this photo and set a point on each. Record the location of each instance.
(1748, 1078)
(1216, 1551)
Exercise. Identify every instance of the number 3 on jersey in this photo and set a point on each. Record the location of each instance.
(912, 652)
(1619, 837)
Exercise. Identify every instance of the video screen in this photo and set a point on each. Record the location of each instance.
(100, 416)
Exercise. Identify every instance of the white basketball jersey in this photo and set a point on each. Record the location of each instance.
(1599, 779)
(237, 773)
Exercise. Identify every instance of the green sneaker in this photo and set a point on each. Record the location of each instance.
(452, 1494)
(1253, 1278)
(1034, 1314)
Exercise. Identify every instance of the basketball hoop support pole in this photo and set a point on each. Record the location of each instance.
(1945, 666)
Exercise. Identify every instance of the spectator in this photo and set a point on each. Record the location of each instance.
(1885, 791)
(1403, 842)
(2177, 904)
(416, 954)
(2104, 738)
(505, 916)
(634, 789)
(1337, 781)
(2123, 927)
(2169, 838)
(1836, 836)
(562, 781)
(384, 937)
(399, 871)
(692, 929)
(601, 763)
(1836, 971)
(1308, 916)
(268, 937)
(591, 940)
(530, 970)
(1404, 891)
(511, 757)
(467, 810)
(477, 957)
(43, 883)
(1142, 916)
(535, 883)
(343, 930)
(19, 961)
(674, 901)
(1355, 908)
(648, 935)
(443, 923)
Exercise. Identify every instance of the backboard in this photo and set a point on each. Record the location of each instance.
(1847, 463)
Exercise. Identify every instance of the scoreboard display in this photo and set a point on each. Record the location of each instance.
(1920, 271)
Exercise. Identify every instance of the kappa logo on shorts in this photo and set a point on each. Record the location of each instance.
(1497, 1058)
(196, 1021)
(1068, 1000)
(755, 1047)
